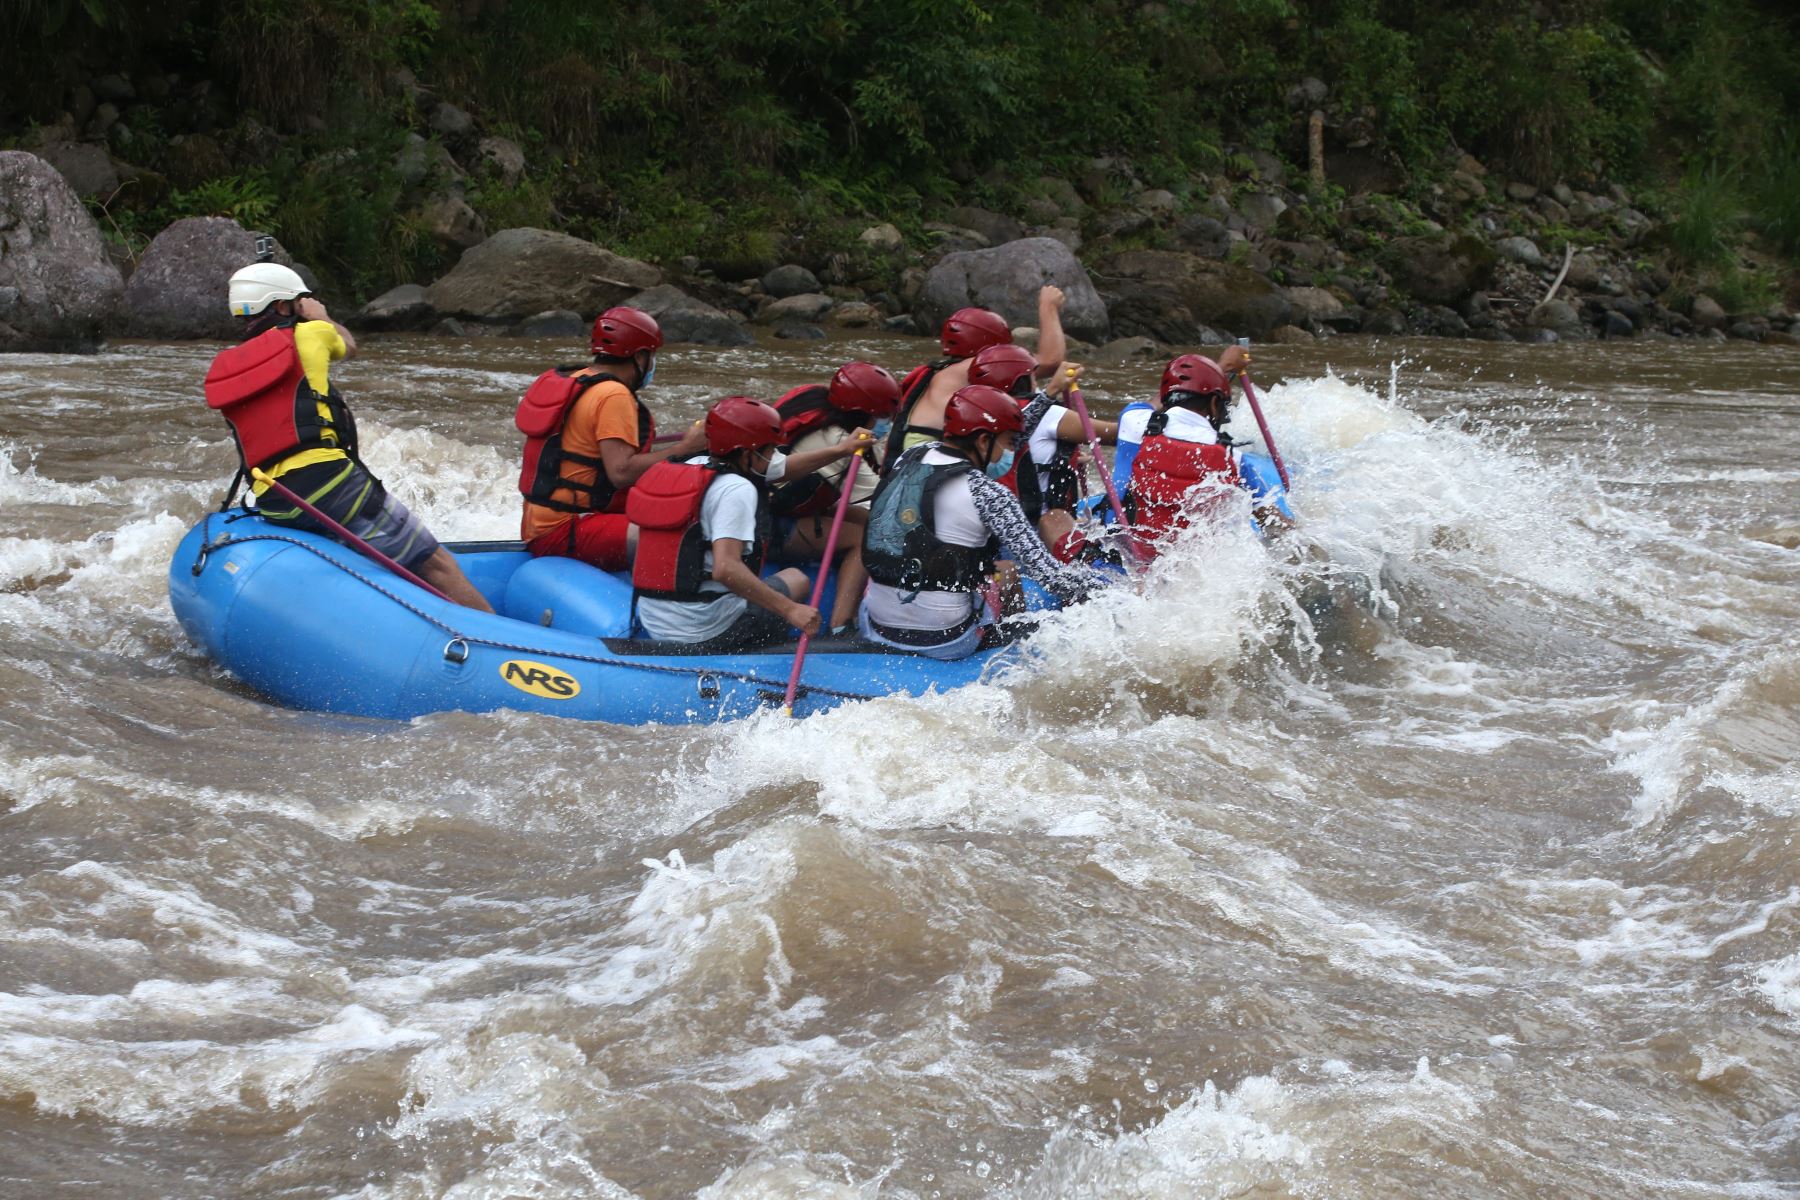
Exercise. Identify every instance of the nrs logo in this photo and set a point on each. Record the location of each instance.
(539, 680)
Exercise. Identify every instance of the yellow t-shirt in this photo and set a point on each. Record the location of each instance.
(319, 345)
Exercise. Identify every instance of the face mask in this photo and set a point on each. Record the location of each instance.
(882, 428)
(1000, 466)
(649, 376)
(777, 466)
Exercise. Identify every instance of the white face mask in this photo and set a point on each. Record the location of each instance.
(777, 466)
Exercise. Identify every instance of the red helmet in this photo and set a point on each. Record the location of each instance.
(1197, 374)
(865, 388)
(1001, 366)
(979, 409)
(740, 423)
(622, 332)
(969, 329)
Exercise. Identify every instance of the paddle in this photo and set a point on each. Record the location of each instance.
(344, 535)
(818, 592)
(1256, 410)
(1093, 443)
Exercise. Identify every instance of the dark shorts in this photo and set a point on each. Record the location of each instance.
(754, 628)
(355, 499)
(598, 539)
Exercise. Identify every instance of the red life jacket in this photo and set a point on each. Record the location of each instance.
(1165, 471)
(540, 417)
(671, 552)
(261, 390)
(804, 410)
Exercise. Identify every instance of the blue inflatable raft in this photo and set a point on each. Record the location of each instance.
(314, 625)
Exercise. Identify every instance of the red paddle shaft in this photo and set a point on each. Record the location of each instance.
(818, 592)
(1106, 479)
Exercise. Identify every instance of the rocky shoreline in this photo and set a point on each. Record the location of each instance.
(1144, 269)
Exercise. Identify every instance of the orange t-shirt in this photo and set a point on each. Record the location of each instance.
(603, 412)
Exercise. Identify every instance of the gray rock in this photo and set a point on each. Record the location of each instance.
(1006, 279)
(882, 239)
(1563, 195)
(1632, 223)
(1521, 191)
(1707, 313)
(1167, 295)
(685, 319)
(1040, 210)
(1122, 222)
(404, 307)
(453, 224)
(81, 103)
(1616, 325)
(1584, 272)
(1262, 209)
(420, 161)
(1441, 320)
(1384, 321)
(790, 280)
(806, 307)
(900, 323)
(1269, 169)
(995, 227)
(799, 331)
(1068, 237)
(957, 236)
(1204, 235)
(1520, 249)
(1439, 270)
(1290, 335)
(519, 272)
(88, 168)
(1748, 331)
(1131, 349)
(1159, 202)
(1314, 307)
(1559, 315)
(854, 315)
(59, 284)
(503, 158)
(452, 122)
(1308, 93)
(1537, 335)
(114, 87)
(179, 287)
(556, 323)
(106, 115)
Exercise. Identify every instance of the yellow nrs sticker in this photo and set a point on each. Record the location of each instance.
(539, 680)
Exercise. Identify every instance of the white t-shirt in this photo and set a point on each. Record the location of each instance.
(833, 473)
(727, 511)
(1186, 425)
(1042, 445)
(957, 523)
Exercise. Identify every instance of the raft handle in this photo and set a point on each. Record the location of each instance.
(456, 651)
(708, 686)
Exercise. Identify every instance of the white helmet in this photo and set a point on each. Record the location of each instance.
(261, 284)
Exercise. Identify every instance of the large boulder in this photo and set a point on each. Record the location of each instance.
(685, 319)
(1168, 296)
(518, 273)
(1006, 279)
(1440, 270)
(179, 287)
(57, 286)
(404, 307)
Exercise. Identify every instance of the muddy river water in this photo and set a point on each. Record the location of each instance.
(1489, 888)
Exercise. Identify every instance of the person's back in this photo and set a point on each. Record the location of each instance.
(291, 426)
(936, 526)
(588, 439)
(966, 333)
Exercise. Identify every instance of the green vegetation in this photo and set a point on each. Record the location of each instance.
(720, 127)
